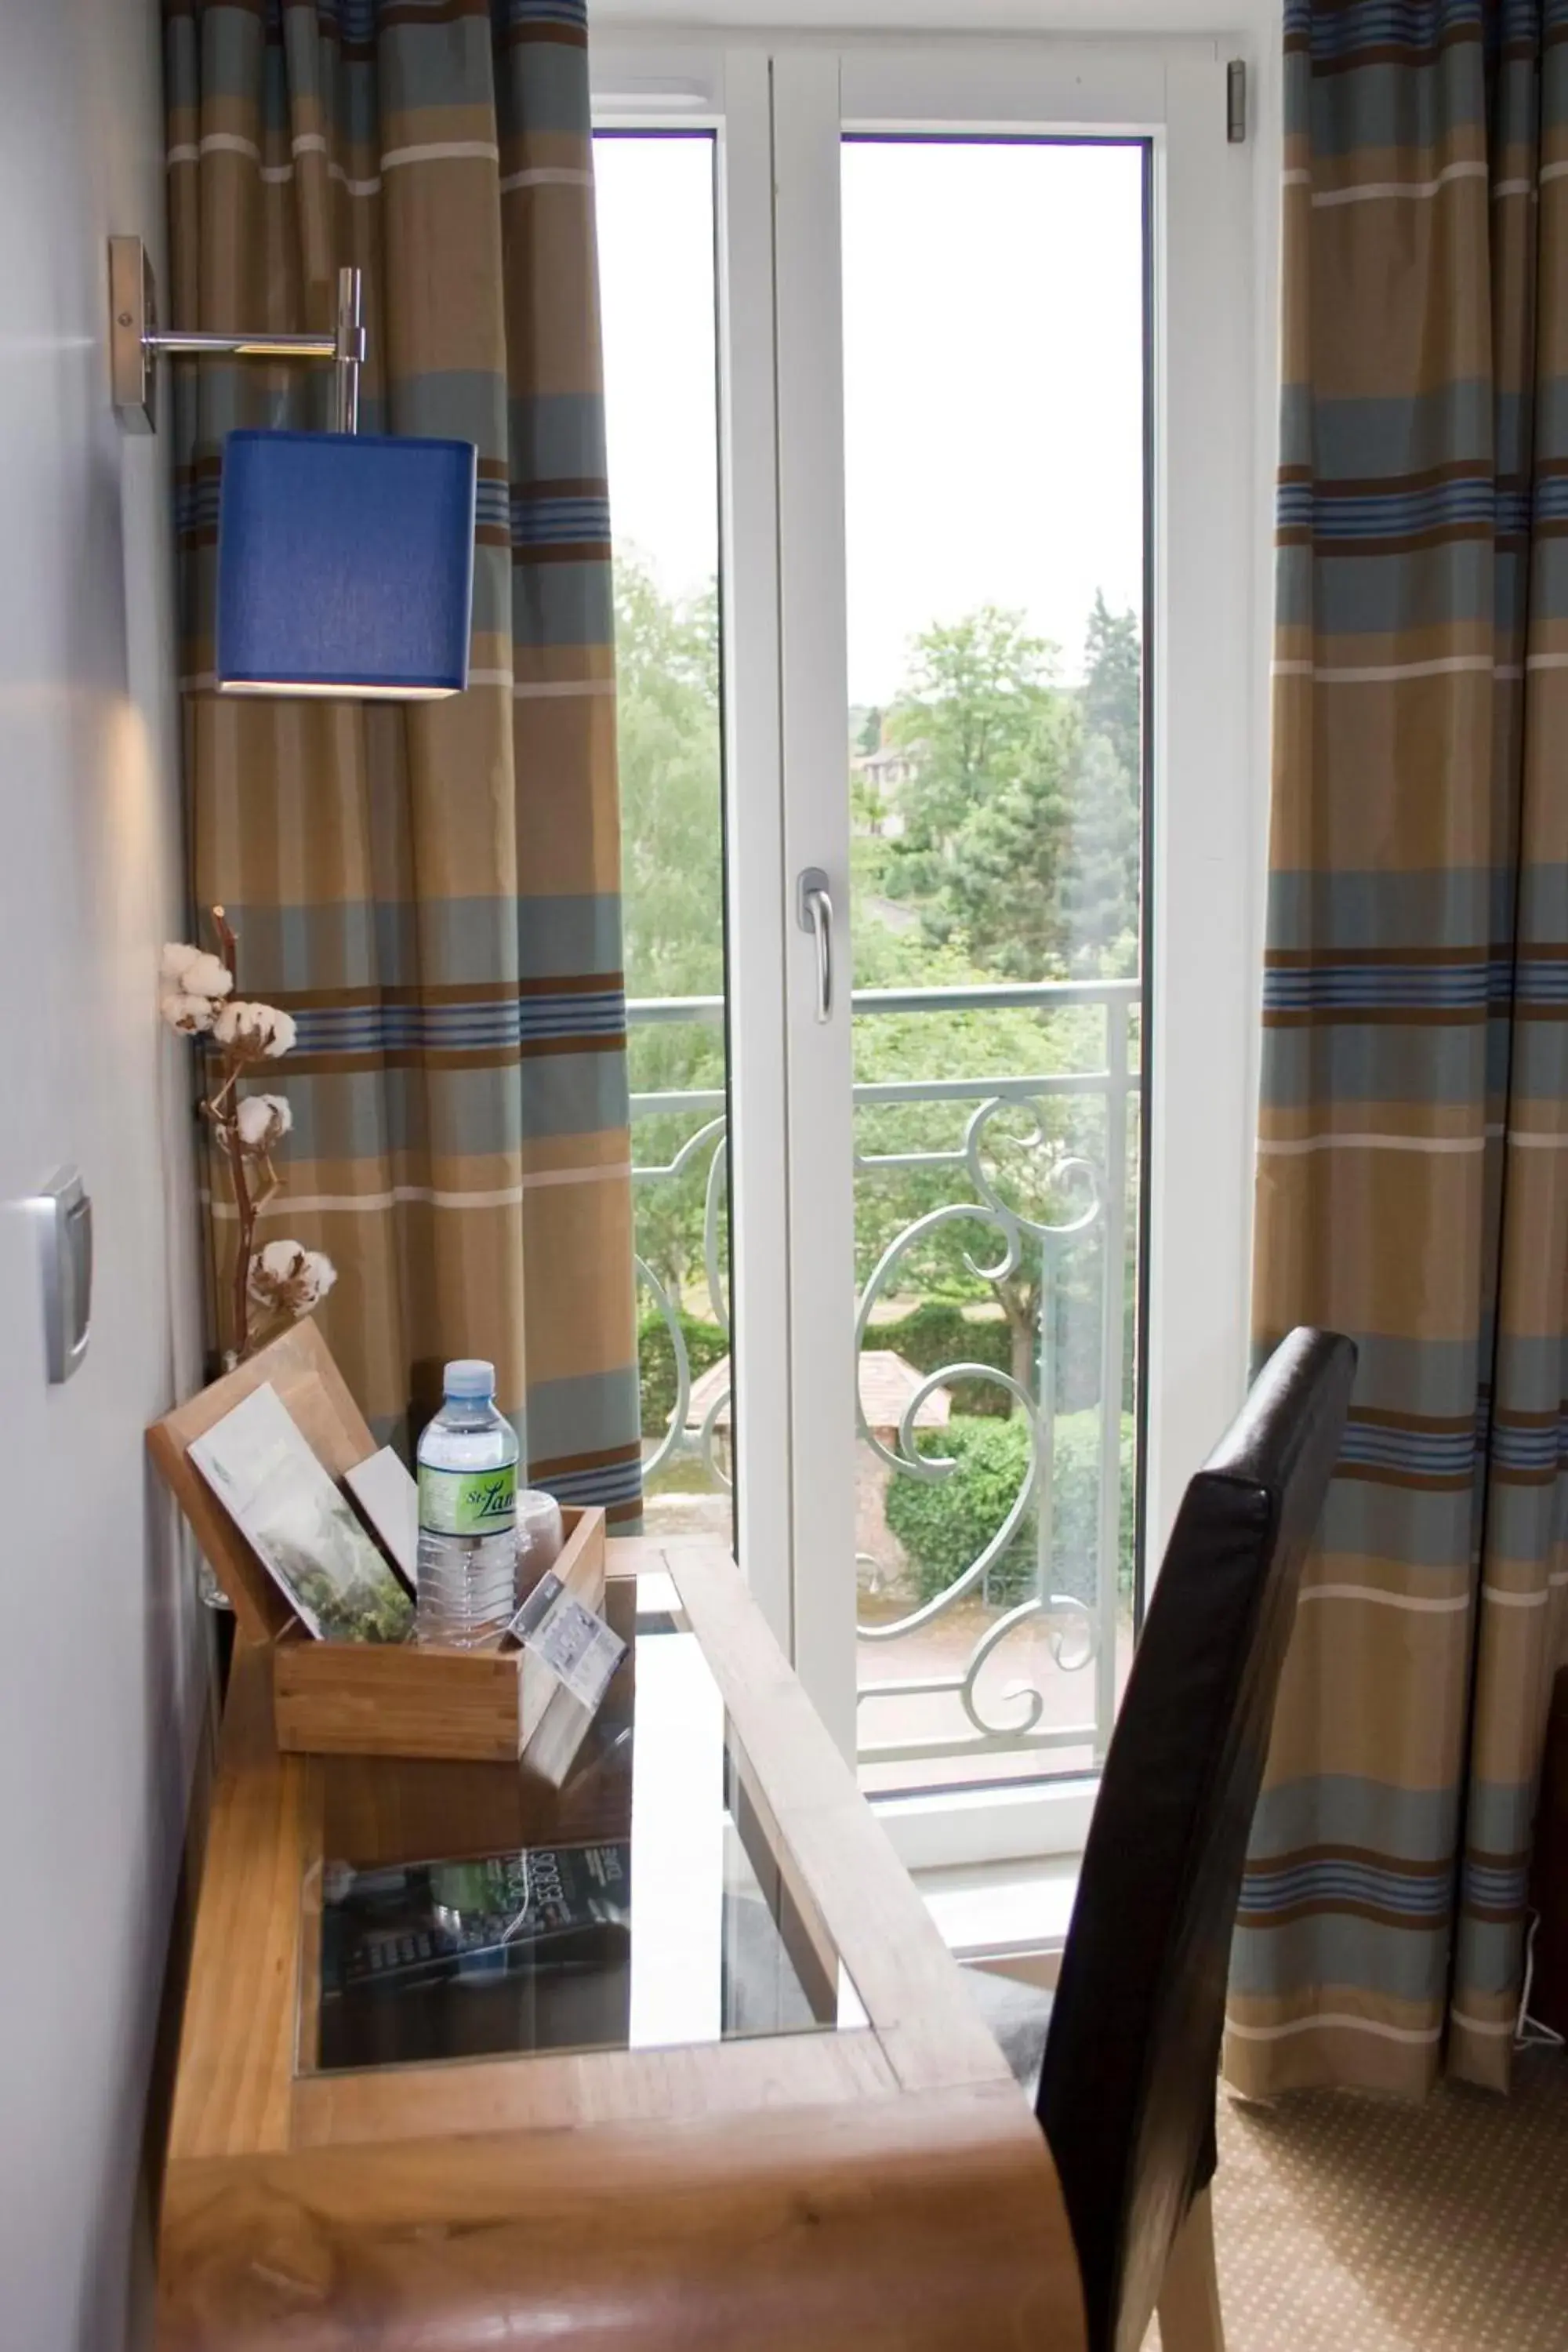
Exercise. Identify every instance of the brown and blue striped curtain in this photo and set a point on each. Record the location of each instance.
(1413, 1174)
(432, 890)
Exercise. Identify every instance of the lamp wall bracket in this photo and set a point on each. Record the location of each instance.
(136, 342)
(132, 317)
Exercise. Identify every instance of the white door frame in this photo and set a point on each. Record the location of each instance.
(692, 84)
(808, 305)
(777, 103)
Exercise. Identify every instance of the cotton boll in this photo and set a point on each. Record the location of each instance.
(175, 962)
(207, 975)
(191, 1015)
(253, 1120)
(251, 1031)
(262, 1121)
(277, 1260)
(286, 1279)
(323, 1273)
(284, 1032)
(242, 1027)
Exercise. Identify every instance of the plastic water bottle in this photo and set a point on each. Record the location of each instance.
(468, 1515)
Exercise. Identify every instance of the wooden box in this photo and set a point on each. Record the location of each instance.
(359, 1698)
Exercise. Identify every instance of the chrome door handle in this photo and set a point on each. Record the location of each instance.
(814, 913)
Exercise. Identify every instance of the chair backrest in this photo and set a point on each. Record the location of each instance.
(1128, 2087)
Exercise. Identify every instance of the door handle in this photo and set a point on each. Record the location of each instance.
(814, 913)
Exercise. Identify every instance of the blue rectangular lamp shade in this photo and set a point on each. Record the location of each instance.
(345, 565)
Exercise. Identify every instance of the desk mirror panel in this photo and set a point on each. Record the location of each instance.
(623, 1888)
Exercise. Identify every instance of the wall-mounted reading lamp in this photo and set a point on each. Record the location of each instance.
(345, 561)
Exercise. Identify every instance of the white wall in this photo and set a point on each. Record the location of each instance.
(101, 1645)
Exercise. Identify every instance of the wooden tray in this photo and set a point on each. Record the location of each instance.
(359, 1698)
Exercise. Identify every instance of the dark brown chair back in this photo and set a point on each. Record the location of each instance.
(1549, 1869)
(1128, 2086)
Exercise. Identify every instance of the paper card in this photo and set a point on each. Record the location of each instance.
(389, 1497)
(577, 1646)
(304, 1532)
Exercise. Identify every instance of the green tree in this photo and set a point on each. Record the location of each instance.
(1113, 682)
(868, 805)
(672, 880)
(1098, 892)
(968, 710)
(668, 737)
(994, 739)
(1003, 886)
(1099, 883)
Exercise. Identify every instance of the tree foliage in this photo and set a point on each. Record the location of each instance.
(667, 734)
(1113, 683)
(671, 774)
(1097, 882)
(1020, 840)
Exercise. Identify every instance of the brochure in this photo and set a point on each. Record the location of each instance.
(302, 1529)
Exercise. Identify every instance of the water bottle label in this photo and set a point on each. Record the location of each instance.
(468, 1502)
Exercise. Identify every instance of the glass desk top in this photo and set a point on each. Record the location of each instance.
(623, 1888)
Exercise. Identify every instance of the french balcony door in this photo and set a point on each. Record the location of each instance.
(933, 458)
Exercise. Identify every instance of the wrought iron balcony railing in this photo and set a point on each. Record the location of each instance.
(1038, 1180)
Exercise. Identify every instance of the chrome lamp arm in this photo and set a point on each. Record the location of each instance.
(136, 342)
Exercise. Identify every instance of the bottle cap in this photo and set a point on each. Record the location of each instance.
(470, 1376)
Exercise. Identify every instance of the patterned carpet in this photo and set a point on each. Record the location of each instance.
(1349, 2224)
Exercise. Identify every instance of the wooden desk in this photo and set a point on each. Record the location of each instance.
(873, 2180)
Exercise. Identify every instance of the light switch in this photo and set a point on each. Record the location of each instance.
(62, 1216)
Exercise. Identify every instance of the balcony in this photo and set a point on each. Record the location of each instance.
(997, 1243)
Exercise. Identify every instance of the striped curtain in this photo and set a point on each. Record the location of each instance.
(1413, 1174)
(432, 890)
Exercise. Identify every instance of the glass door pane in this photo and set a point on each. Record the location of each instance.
(995, 339)
(656, 222)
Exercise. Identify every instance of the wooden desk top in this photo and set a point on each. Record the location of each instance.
(882, 2185)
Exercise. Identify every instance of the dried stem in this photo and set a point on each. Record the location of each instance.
(279, 1319)
(228, 943)
(239, 1292)
(227, 1126)
(236, 1039)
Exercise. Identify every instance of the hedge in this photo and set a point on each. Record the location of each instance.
(928, 1338)
(945, 1524)
(937, 1333)
(705, 1343)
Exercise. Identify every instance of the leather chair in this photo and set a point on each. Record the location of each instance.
(1123, 2060)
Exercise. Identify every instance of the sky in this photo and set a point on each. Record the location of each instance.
(993, 363)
